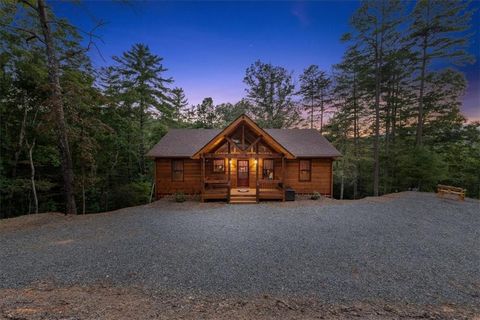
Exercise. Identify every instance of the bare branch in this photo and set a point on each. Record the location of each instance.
(28, 4)
(32, 34)
(91, 41)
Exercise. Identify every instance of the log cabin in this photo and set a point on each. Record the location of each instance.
(243, 163)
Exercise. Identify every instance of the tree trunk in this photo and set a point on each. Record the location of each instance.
(376, 140)
(311, 114)
(20, 140)
(321, 113)
(57, 107)
(342, 180)
(376, 147)
(142, 137)
(390, 97)
(21, 137)
(32, 174)
(83, 190)
(419, 139)
(355, 137)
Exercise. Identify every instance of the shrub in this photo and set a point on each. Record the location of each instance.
(180, 197)
(131, 194)
(315, 196)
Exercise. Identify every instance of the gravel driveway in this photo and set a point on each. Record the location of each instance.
(412, 248)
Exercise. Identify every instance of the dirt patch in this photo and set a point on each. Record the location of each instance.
(105, 302)
(168, 203)
(305, 201)
(31, 221)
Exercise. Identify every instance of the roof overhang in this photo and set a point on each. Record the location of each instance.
(231, 128)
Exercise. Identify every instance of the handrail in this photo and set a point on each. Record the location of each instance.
(215, 181)
(228, 192)
(270, 180)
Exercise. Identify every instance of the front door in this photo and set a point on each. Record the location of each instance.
(242, 173)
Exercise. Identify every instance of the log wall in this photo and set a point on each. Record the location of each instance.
(321, 176)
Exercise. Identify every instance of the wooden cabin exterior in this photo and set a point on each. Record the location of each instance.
(243, 163)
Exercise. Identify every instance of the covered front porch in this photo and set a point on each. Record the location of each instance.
(243, 164)
(242, 195)
(242, 180)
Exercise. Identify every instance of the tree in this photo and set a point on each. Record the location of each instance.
(204, 113)
(348, 102)
(375, 24)
(142, 88)
(179, 103)
(270, 91)
(227, 112)
(45, 31)
(314, 86)
(436, 34)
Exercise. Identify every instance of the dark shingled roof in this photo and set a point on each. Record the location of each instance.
(300, 142)
(182, 142)
(304, 142)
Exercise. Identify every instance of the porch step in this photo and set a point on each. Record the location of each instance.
(243, 199)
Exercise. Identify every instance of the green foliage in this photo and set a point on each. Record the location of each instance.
(131, 194)
(270, 91)
(421, 169)
(314, 87)
(180, 197)
(115, 114)
(316, 196)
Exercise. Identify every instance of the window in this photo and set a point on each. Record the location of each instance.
(305, 170)
(268, 169)
(219, 165)
(177, 170)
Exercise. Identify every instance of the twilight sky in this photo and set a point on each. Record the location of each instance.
(207, 46)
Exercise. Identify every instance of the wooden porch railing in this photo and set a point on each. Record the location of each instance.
(270, 184)
(217, 183)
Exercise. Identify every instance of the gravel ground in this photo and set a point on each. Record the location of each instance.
(413, 248)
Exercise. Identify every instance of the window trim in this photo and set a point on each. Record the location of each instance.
(172, 165)
(309, 170)
(263, 169)
(224, 166)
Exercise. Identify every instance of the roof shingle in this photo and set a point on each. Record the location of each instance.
(300, 142)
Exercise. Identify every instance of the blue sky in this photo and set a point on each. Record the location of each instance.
(208, 45)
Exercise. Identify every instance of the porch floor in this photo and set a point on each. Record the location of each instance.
(221, 193)
(243, 191)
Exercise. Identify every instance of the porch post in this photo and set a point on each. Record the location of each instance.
(203, 175)
(257, 189)
(229, 184)
(283, 178)
(331, 179)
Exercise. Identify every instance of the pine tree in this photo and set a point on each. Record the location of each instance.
(348, 101)
(143, 88)
(314, 87)
(436, 34)
(179, 104)
(375, 24)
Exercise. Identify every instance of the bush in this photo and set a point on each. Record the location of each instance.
(131, 194)
(421, 169)
(179, 197)
(315, 196)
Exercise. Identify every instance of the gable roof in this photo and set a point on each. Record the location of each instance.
(184, 143)
(304, 142)
(243, 119)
